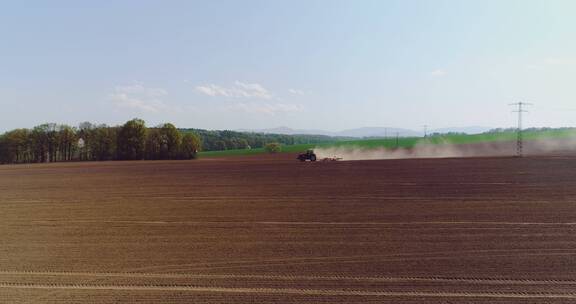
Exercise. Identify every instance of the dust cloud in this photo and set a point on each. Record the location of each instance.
(448, 150)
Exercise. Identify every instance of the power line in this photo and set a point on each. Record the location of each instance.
(519, 138)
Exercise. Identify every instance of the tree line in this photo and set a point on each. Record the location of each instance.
(217, 140)
(132, 141)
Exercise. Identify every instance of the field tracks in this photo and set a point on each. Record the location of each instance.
(295, 291)
(296, 277)
(296, 223)
(326, 260)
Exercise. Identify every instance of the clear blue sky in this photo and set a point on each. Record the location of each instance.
(303, 64)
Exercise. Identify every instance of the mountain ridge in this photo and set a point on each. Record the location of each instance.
(367, 131)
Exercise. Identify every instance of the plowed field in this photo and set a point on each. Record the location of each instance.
(273, 230)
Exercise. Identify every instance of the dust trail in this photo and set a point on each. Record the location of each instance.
(426, 149)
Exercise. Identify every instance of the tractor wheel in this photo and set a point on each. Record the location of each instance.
(312, 157)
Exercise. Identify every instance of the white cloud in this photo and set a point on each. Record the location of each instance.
(138, 97)
(296, 92)
(560, 61)
(551, 62)
(237, 90)
(438, 73)
(264, 108)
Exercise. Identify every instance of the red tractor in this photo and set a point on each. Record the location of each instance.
(309, 155)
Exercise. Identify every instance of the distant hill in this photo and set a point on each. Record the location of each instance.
(378, 132)
(368, 131)
(289, 131)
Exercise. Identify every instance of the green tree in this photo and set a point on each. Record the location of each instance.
(103, 142)
(16, 146)
(40, 143)
(132, 140)
(273, 147)
(86, 138)
(154, 143)
(171, 141)
(67, 142)
(51, 130)
(3, 149)
(191, 145)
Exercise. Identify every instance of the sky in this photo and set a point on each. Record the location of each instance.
(310, 64)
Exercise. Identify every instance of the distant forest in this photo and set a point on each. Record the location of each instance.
(131, 141)
(228, 140)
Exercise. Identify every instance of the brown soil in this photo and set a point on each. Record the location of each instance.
(275, 230)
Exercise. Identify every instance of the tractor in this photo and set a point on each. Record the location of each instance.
(309, 155)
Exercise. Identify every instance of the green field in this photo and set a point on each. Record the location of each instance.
(405, 142)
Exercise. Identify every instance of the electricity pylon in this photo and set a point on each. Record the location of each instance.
(519, 139)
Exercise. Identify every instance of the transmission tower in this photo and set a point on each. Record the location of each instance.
(425, 130)
(519, 139)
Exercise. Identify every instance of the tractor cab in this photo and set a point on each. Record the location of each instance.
(309, 155)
